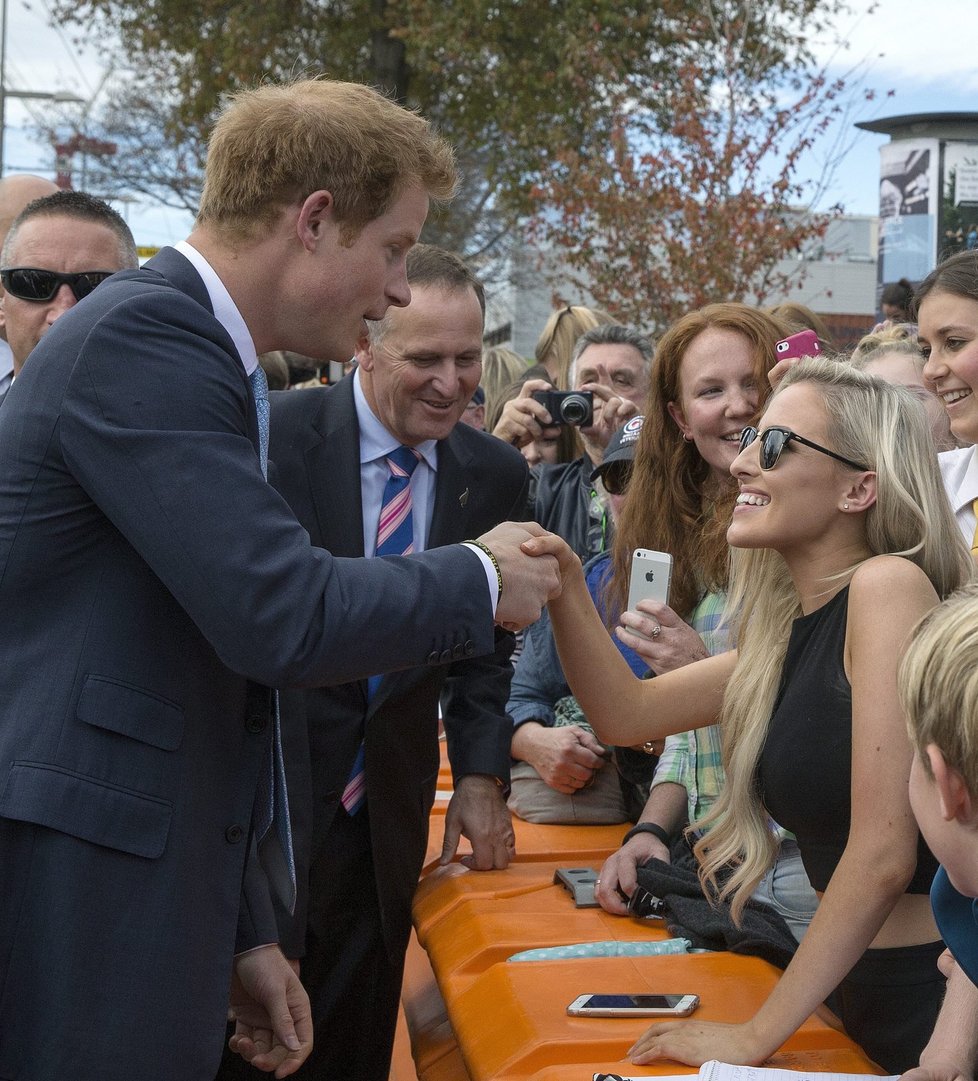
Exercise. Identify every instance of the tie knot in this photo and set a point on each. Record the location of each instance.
(259, 384)
(402, 461)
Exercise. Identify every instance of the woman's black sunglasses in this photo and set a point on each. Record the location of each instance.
(774, 440)
(32, 283)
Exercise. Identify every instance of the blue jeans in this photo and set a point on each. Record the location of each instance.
(785, 887)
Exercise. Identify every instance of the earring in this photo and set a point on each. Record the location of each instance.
(845, 506)
(687, 438)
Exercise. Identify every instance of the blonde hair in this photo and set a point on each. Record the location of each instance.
(275, 145)
(501, 367)
(900, 339)
(559, 335)
(938, 684)
(883, 426)
(801, 317)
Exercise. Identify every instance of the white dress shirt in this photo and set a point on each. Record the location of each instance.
(959, 471)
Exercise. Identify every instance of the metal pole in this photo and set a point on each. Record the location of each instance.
(3, 80)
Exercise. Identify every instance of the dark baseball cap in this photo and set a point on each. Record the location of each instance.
(621, 446)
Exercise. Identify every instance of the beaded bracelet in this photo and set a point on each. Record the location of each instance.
(492, 559)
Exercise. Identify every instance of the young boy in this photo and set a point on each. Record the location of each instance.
(939, 689)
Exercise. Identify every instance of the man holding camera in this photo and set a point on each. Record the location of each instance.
(612, 364)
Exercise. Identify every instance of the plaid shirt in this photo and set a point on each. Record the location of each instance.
(693, 759)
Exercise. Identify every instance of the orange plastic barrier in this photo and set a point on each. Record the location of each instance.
(473, 1016)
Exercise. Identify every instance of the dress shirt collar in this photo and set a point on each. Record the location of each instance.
(225, 310)
(375, 440)
(6, 361)
(959, 469)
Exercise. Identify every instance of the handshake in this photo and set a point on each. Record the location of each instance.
(532, 564)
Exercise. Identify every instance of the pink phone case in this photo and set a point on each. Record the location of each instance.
(803, 344)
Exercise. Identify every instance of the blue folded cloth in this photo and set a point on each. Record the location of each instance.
(604, 949)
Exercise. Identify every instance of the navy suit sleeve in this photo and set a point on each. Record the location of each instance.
(477, 728)
(160, 437)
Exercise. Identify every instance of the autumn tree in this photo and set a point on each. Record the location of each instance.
(698, 200)
(516, 85)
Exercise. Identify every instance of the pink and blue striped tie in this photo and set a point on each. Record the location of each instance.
(395, 537)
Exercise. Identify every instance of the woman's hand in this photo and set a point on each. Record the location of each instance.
(780, 370)
(550, 544)
(660, 637)
(696, 1042)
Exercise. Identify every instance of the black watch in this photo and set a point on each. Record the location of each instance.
(648, 827)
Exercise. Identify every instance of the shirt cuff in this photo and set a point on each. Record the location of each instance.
(492, 579)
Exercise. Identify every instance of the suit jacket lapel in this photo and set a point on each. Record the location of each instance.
(177, 269)
(333, 467)
(451, 511)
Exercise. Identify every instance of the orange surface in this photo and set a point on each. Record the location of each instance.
(475, 1017)
(511, 1021)
(587, 844)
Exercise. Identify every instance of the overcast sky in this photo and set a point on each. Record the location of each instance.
(922, 50)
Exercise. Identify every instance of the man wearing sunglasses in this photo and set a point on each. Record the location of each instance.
(15, 193)
(58, 249)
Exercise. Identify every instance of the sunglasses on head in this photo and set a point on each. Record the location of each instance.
(32, 283)
(774, 440)
(615, 477)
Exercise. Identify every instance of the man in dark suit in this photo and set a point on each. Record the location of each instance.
(418, 369)
(153, 586)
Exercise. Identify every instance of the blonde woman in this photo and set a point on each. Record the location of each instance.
(894, 354)
(558, 338)
(848, 541)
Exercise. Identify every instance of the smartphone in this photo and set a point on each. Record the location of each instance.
(651, 573)
(803, 344)
(633, 1005)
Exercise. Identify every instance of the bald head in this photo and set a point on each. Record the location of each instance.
(16, 192)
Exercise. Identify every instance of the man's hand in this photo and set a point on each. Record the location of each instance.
(620, 871)
(610, 413)
(529, 581)
(566, 758)
(477, 810)
(270, 1008)
(523, 419)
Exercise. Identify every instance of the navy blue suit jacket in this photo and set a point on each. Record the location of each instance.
(480, 482)
(150, 581)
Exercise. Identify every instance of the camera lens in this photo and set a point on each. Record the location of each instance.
(574, 409)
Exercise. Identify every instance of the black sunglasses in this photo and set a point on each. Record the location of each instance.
(774, 440)
(32, 283)
(615, 477)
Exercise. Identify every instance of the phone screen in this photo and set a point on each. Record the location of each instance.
(637, 1002)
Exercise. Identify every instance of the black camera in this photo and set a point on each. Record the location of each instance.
(646, 905)
(568, 406)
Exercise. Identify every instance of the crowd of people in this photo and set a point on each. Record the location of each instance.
(238, 622)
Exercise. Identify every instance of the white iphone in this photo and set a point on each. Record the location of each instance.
(651, 573)
(633, 1005)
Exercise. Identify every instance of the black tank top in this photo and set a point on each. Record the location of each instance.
(805, 769)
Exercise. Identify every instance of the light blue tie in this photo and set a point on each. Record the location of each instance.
(272, 799)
